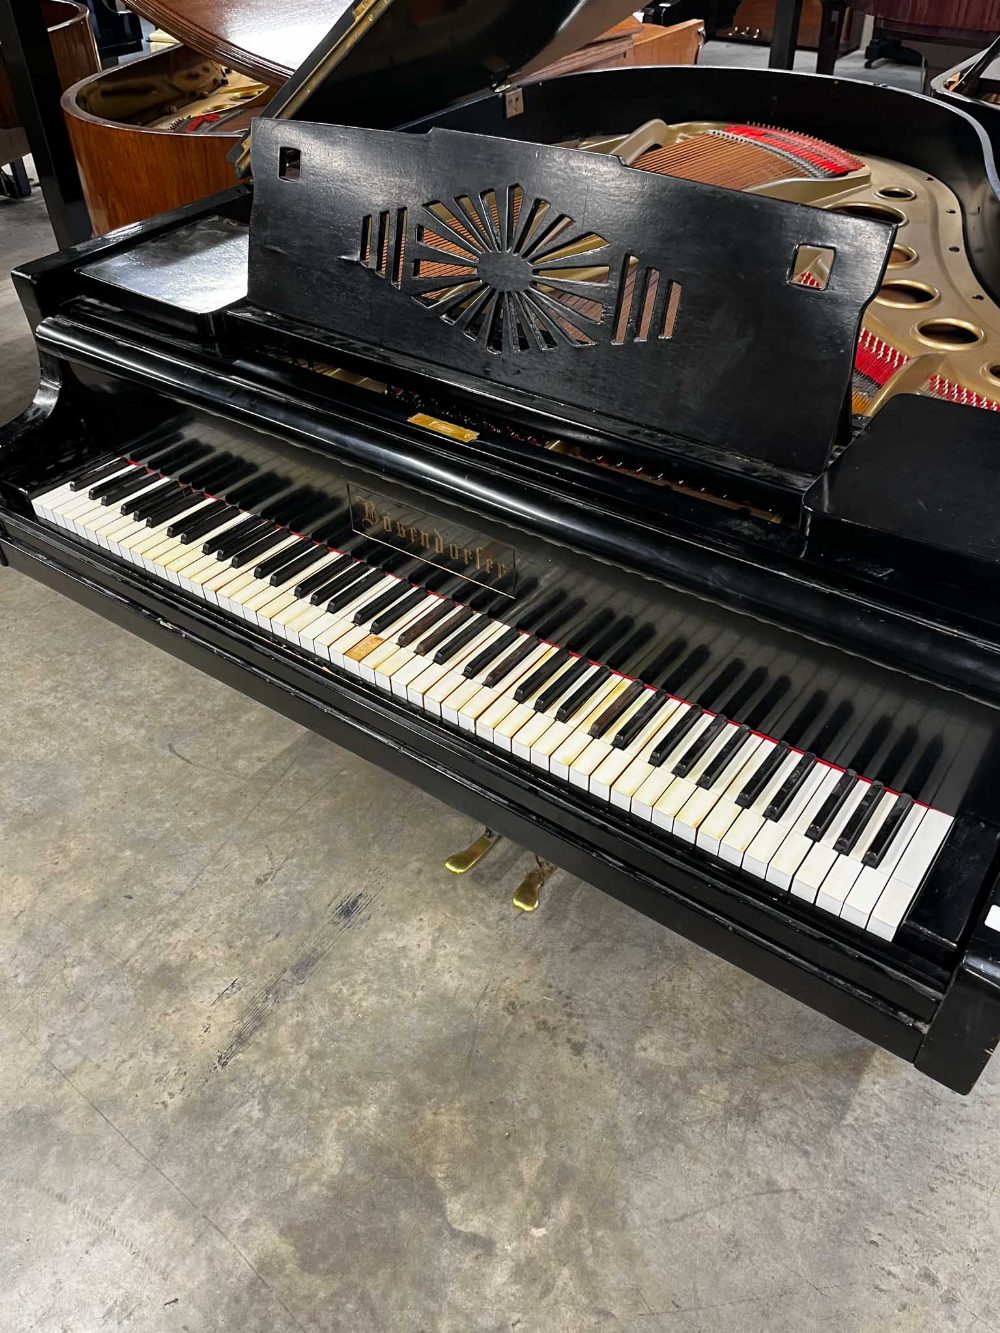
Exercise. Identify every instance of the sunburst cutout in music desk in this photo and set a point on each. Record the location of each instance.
(511, 277)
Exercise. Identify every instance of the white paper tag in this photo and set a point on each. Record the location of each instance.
(993, 919)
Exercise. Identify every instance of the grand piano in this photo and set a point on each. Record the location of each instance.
(612, 456)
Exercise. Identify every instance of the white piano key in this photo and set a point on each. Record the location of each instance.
(702, 802)
(725, 811)
(682, 789)
(909, 873)
(822, 856)
(795, 845)
(770, 836)
(867, 889)
(662, 776)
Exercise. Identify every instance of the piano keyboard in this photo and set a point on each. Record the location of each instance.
(287, 561)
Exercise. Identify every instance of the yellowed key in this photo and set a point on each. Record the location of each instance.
(474, 707)
(590, 758)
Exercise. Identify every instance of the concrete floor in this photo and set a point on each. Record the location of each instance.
(266, 1067)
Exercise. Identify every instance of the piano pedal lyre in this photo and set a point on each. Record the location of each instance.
(527, 893)
(470, 856)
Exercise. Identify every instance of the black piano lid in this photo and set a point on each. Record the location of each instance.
(967, 85)
(387, 61)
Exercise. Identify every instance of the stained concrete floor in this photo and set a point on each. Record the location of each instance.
(265, 1067)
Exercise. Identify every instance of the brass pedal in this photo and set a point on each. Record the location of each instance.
(470, 856)
(527, 893)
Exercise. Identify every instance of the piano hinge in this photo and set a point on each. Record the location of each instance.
(513, 99)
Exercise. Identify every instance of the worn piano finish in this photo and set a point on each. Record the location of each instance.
(439, 454)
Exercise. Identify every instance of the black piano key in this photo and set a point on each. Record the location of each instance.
(234, 535)
(267, 541)
(423, 624)
(572, 704)
(453, 646)
(314, 508)
(98, 472)
(698, 747)
(511, 662)
(337, 566)
(381, 603)
(762, 775)
(171, 507)
(543, 672)
(383, 623)
(196, 525)
(347, 594)
(127, 488)
(330, 508)
(328, 530)
(714, 771)
(552, 693)
(640, 719)
(301, 550)
(675, 735)
(827, 812)
(619, 705)
(140, 508)
(234, 546)
(113, 484)
(287, 571)
(444, 629)
(890, 827)
(490, 653)
(338, 577)
(598, 646)
(785, 794)
(863, 811)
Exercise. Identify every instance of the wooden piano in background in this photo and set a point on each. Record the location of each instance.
(76, 57)
(612, 455)
(157, 133)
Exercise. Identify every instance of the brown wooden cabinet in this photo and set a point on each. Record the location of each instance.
(75, 54)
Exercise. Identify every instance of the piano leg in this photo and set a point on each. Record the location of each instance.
(460, 862)
(527, 893)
